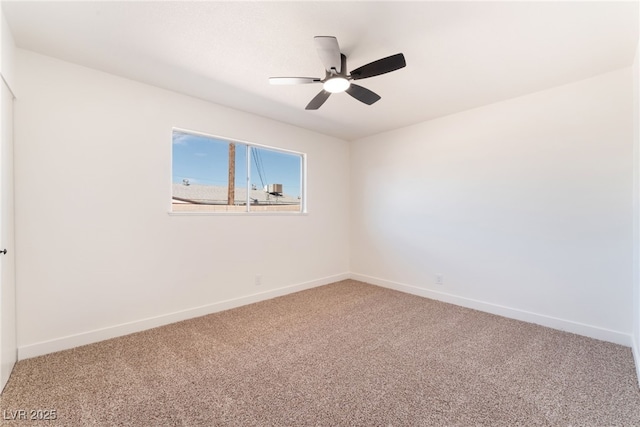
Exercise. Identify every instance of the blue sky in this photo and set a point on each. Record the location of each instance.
(204, 160)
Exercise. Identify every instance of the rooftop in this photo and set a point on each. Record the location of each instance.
(217, 195)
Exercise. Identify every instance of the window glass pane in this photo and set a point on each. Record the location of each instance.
(275, 180)
(200, 176)
(203, 168)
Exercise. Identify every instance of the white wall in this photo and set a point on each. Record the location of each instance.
(8, 52)
(100, 256)
(524, 206)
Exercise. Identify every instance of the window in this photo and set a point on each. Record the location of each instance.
(211, 174)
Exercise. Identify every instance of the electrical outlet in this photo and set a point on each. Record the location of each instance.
(439, 279)
(258, 279)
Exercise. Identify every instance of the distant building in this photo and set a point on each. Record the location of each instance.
(199, 194)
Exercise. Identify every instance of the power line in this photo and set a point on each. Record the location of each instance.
(257, 159)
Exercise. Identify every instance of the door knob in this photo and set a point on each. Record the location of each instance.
(3, 251)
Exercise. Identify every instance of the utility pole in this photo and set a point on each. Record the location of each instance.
(232, 175)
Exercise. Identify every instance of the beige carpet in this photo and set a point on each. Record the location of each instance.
(343, 354)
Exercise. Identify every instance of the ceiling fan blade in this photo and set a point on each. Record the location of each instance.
(318, 100)
(363, 94)
(381, 66)
(292, 80)
(329, 52)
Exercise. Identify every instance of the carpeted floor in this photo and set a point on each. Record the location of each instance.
(343, 354)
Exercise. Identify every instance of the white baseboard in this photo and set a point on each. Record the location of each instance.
(512, 313)
(89, 337)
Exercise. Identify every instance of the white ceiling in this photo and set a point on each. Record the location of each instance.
(459, 55)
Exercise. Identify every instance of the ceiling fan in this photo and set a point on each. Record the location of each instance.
(337, 79)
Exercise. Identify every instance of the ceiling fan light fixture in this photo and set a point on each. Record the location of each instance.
(336, 85)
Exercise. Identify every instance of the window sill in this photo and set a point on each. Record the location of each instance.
(238, 213)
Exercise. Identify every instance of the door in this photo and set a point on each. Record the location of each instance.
(8, 341)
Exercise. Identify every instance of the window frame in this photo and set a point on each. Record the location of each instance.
(247, 145)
